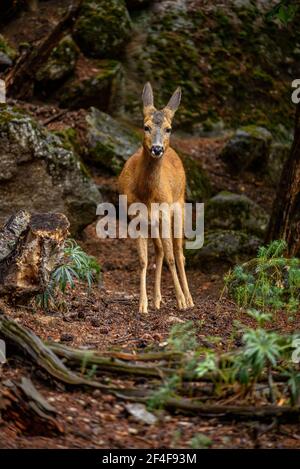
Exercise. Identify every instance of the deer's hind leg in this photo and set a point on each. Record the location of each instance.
(170, 258)
(159, 257)
(142, 244)
(180, 262)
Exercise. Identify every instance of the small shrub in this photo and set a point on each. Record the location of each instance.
(76, 266)
(268, 282)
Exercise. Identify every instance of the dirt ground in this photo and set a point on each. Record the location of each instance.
(106, 319)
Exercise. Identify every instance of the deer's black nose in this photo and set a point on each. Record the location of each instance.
(157, 150)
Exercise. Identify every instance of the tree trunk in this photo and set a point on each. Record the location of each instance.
(30, 248)
(285, 219)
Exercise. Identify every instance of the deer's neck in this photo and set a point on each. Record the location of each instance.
(149, 176)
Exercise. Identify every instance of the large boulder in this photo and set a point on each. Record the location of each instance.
(249, 148)
(235, 212)
(102, 28)
(100, 89)
(223, 246)
(39, 174)
(198, 188)
(109, 143)
(60, 64)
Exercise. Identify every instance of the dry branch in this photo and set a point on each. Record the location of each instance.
(45, 358)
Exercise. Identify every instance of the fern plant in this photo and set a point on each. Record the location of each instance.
(268, 282)
(76, 266)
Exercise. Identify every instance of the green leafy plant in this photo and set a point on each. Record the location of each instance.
(268, 282)
(284, 11)
(76, 266)
(158, 398)
(200, 441)
(182, 337)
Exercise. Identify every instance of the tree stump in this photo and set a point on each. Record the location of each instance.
(31, 246)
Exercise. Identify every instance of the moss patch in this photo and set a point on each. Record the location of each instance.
(102, 28)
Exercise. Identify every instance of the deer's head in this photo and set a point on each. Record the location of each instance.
(158, 124)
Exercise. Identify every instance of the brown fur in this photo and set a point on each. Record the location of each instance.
(147, 179)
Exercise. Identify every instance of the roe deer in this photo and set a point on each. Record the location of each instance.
(155, 174)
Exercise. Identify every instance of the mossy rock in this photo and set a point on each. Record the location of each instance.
(279, 152)
(39, 174)
(249, 148)
(60, 64)
(99, 90)
(109, 142)
(198, 183)
(235, 212)
(102, 28)
(230, 61)
(221, 246)
(7, 54)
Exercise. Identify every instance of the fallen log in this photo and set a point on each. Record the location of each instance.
(30, 248)
(46, 359)
(20, 79)
(21, 403)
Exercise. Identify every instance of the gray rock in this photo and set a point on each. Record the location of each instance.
(61, 62)
(109, 142)
(235, 212)
(223, 246)
(39, 174)
(249, 148)
(99, 90)
(140, 413)
(5, 61)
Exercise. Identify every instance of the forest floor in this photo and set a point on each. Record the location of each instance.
(106, 319)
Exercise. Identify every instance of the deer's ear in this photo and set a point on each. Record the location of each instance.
(147, 95)
(174, 102)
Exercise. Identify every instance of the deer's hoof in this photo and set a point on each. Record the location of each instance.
(143, 308)
(189, 301)
(157, 302)
(181, 302)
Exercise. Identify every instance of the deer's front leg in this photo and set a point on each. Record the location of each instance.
(159, 257)
(143, 257)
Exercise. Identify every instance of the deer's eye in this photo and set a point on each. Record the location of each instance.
(168, 130)
(147, 128)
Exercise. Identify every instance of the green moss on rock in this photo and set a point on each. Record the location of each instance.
(39, 174)
(102, 28)
(99, 90)
(248, 148)
(230, 59)
(235, 212)
(109, 142)
(61, 62)
(198, 183)
(223, 246)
